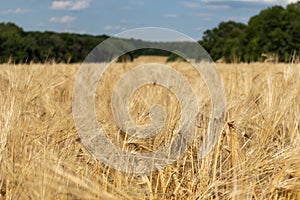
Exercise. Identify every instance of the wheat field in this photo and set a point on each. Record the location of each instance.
(257, 155)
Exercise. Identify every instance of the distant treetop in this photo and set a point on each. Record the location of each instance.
(274, 31)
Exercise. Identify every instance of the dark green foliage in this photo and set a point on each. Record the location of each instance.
(39, 47)
(275, 30)
(25, 47)
(225, 40)
(130, 56)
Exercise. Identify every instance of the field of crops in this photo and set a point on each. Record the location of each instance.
(256, 157)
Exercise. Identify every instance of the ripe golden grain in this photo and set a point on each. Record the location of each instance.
(257, 156)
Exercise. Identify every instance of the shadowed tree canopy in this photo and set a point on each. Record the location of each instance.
(224, 40)
(275, 30)
(20, 46)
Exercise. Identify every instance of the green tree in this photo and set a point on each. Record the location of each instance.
(274, 30)
(10, 41)
(224, 41)
(263, 33)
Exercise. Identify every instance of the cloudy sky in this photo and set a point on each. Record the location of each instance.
(111, 16)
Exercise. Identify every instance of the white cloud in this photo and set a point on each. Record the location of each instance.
(15, 11)
(189, 4)
(63, 20)
(70, 5)
(60, 5)
(114, 28)
(290, 1)
(80, 5)
(170, 15)
(256, 1)
(242, 4)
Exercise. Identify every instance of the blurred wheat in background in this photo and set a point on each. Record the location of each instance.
(257, 155)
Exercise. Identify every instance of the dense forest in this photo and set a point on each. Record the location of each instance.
(20, 46)
(273, 32)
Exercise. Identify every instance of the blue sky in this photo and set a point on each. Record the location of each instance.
(110, 17)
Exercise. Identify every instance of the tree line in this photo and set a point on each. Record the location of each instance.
(274, 31)
(20, 46)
